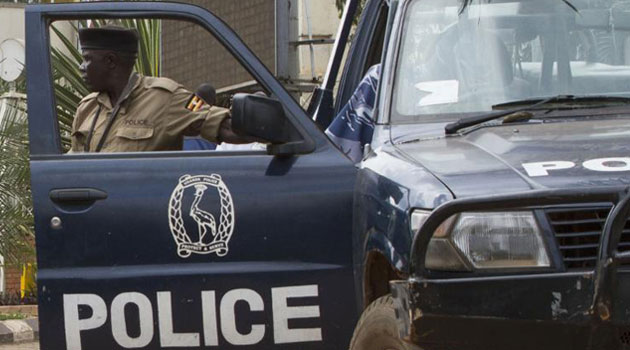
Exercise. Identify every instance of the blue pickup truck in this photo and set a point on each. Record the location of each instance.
(488, 212)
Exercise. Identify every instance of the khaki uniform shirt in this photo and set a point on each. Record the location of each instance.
(153, 118)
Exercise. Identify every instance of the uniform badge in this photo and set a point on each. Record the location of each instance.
(194, 103)
(213, 236)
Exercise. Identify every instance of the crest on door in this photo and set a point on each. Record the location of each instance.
(213, 229)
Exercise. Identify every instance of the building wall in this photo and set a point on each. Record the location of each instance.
(191, 57)
(12, 280)
(12, 25)
(324, 21)
(11, 21)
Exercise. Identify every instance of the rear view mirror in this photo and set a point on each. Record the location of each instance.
(265, 118)
(262, 117)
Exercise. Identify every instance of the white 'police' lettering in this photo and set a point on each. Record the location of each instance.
(119, 323)
(614, 164)
(228, 317)
(209, 307)
(541, 168)
(169, 339)
(281, 314)
(73, 325)
(608, 164)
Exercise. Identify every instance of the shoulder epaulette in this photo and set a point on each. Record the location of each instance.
(162, 83)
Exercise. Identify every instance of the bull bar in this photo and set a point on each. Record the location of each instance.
(604, 275)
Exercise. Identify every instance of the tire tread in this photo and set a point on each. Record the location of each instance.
(381, 308)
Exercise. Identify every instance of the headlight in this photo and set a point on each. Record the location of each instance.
(484, 240)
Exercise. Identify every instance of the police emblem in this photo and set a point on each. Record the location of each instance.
(212, 238)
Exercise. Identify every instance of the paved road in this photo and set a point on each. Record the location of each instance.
(21, 346)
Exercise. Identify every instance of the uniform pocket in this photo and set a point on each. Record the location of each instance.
(79, 138)
(135, 133)
(130, 139)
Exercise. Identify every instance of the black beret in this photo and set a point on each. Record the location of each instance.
(109, 38)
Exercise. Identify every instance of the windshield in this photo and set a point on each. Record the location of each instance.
(455, 60)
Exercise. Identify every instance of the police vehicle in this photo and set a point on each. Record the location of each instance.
(489, 209)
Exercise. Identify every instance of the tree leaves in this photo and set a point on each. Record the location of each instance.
(342, 3)
(16, 214)
(16, 224)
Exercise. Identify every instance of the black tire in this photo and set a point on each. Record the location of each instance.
(377, 328)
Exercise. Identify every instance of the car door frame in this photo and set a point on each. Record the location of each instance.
(45, 140)
(38, 39)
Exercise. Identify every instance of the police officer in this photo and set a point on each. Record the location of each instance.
(128, 112)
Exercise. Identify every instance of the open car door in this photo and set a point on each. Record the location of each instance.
(123, 262)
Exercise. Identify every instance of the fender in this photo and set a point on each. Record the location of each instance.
(381, 234)
(378, 242)
(381, 264)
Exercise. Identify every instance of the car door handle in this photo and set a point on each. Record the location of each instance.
(66, 195)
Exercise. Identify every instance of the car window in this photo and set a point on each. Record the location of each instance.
(366, 54)
(375, 51)
(183, 75)
(455, 60)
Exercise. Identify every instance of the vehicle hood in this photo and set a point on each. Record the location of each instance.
(505, 159)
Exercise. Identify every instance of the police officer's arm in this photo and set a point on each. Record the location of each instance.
(74, 136)
(210, 122)
(179, 121)
(78, 134)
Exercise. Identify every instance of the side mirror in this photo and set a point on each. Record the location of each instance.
(264, 118)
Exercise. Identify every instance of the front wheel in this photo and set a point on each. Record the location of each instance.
(377, 328)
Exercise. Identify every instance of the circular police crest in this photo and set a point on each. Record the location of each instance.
(212, 236)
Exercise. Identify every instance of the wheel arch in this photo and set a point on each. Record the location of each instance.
(381, 264)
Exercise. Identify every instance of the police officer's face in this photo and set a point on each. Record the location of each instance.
(95, 69)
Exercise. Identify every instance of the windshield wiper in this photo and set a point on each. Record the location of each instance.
(467, 3)
(525, 105)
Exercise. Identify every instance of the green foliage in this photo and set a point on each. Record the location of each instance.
(16, 216)
(12, 316)
(342, 3)
(16, 219)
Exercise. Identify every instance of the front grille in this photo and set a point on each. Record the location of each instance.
(578, 232)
